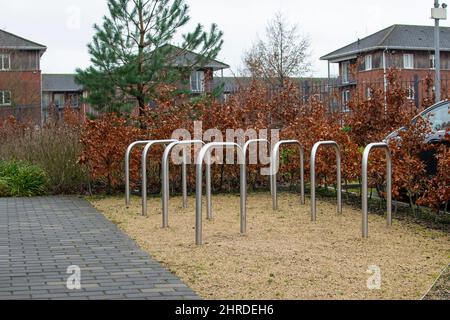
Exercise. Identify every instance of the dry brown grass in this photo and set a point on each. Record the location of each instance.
(284, 255)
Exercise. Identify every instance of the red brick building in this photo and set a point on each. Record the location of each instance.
(410, 49)
(20, 78)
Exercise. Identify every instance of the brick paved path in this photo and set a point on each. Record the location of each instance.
(41, 237)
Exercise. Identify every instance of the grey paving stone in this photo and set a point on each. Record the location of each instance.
(41, 237)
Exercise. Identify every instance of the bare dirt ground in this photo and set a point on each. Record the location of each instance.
(284, 255)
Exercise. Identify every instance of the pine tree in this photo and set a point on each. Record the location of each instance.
(131, 53)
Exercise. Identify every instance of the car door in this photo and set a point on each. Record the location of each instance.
(439, 120)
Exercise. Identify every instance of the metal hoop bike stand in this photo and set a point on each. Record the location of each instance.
(313, 176)
(365, 163)
(147, 148)
(127, 166)
(165, 177)
(199, 187)
(274, 170)
(245, 149)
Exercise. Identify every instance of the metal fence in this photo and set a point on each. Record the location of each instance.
(336, 94)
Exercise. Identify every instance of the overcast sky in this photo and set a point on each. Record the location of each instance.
(65, 26)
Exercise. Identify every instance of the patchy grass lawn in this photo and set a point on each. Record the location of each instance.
(441, 289)
(284, 255)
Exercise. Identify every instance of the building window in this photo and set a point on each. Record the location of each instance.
(345, 100)
(198, 81)
(59, 100)
(369, 93)
(46, 100)
(432, 61)
(74, 100)
(5, 62)
(5, 98)
(408, 61)
(368, 62)
(345, 71)
(411, 93)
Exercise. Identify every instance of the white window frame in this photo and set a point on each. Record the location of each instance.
(3, 58)
(411, 92)
(197, 81)
(3, 95)
(408, 61)
(369, 93)
(368, 62)
(345, 100)
(345, 72)
(432, 61)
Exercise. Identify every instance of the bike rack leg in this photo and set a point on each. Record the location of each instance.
(144, 171)
(275, 159)
(165, 176)
(208, 188)
(205, 152)
(144, 184)
(274, 184)
(184, 179)
(313, 177)
(365, 206)
(198, 203)
(313, 188)
(243, 204)
(302, 176)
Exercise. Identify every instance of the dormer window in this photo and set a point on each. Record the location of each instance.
(368, 62)
(5, 62)
(198, 81)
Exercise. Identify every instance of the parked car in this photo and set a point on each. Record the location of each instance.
(438, 117)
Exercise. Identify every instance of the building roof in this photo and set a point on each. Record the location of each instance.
(12, 42)
(396, 37)
(186, 58)
(60, 83)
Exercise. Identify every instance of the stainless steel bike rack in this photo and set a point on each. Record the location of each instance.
(147, 148)
(274, 170)
(127, 166)
(245, 149)
(365, 163)
(165, 177)
(313, 176)
(199, 187)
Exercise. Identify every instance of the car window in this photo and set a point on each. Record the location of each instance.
(439, 117)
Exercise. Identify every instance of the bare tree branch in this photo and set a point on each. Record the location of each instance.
(284, 53)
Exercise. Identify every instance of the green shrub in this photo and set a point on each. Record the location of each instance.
(20, 179)
(4, 188)
(54, 147)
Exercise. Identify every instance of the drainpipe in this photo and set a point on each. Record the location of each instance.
(41, 95)
(329, 73)
(329, 86)
(385, 79)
